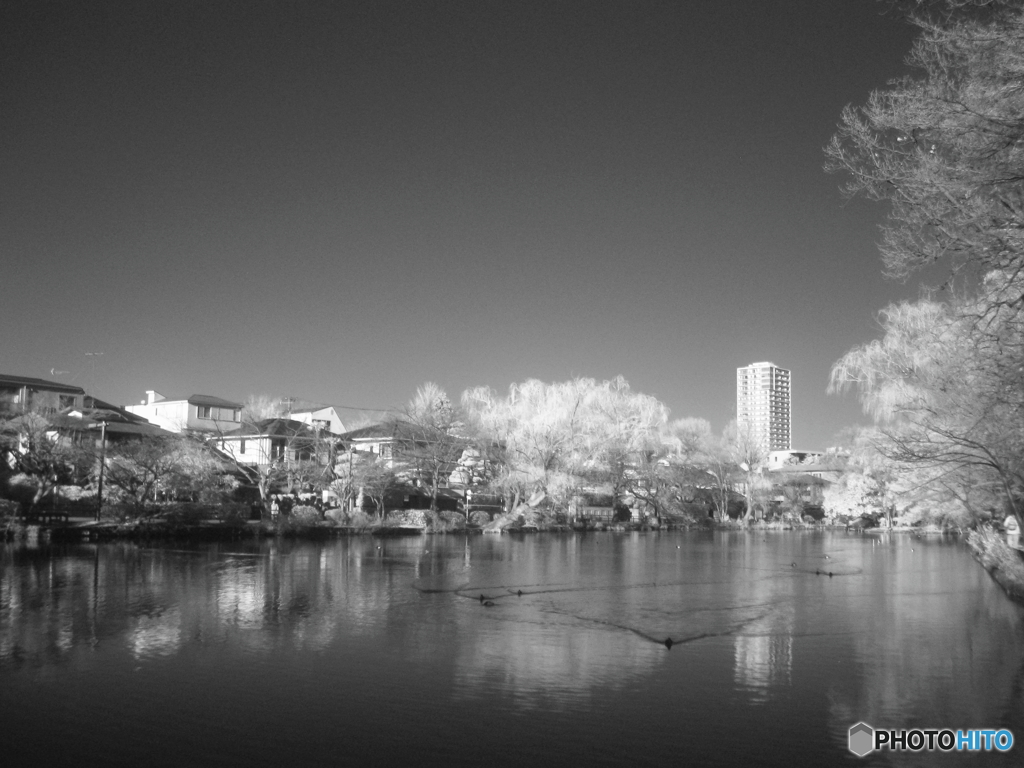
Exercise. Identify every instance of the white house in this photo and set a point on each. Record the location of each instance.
(320, 418)
(196, 413)
(273, 441)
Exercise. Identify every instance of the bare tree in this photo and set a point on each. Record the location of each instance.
(433, 438)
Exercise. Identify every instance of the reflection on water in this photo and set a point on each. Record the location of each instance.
(504, 648)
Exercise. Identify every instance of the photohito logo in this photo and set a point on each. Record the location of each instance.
(864, 739)
(862, 736)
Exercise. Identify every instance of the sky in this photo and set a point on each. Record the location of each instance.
(340, 201)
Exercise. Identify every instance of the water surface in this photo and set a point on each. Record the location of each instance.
(381, 652)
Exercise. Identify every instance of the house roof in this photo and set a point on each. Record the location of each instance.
(800, 469)
(310, 408)
(117, 424)
(43, 384)
(96, 403)
(211, 400)
(803, 477)
(271, 428)
(217, 402)
(385, 430)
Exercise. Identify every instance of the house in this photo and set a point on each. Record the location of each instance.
(322, 418)
(20, 394)
(388, 439)
(277, 440)
(196, 413)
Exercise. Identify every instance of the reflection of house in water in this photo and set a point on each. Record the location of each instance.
(764, 655)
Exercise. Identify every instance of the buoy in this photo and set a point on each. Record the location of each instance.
(481, 598)
(830, 574)
(520, 593)
(793, 564)
(669, 643)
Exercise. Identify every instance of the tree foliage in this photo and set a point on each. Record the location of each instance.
(31, 447)
(947, 400)
(944, 147)
(554, 438)
(177, 467)
(434, 437)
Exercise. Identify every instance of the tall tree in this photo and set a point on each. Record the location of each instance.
(749, 455)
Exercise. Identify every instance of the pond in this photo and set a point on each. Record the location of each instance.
(503, 650)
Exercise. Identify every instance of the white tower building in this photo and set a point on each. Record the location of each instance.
(763, 404)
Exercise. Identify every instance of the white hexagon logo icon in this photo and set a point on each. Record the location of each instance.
(862, 737)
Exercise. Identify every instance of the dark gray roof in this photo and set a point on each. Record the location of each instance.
(128, 416)
(43, 384)
(92, 418)
(218, 402)
(271, 428)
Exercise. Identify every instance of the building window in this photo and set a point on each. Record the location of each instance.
(236, 415)
(66, 401)
(204, 412)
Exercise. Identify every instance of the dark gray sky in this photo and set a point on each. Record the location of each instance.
(340, 200)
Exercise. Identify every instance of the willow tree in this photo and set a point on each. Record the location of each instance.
(949, 403)
(555, 438)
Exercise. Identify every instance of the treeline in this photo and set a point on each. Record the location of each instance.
(543, 444)
(555, 443)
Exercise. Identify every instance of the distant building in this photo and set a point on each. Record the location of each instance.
(196, 413)
(763, 404)
(19, 394)
(783, 459)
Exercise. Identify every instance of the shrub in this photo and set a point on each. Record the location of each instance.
(305, 514)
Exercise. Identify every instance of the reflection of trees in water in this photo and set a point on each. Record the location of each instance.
(764, 655)
(154, 600)
(763, 651)
(935, 644)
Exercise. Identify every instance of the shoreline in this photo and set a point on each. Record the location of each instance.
(84, 530)
(1004, 563)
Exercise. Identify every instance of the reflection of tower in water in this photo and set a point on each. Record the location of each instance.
(764, 655)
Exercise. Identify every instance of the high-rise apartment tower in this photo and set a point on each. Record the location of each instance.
(763, 404)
